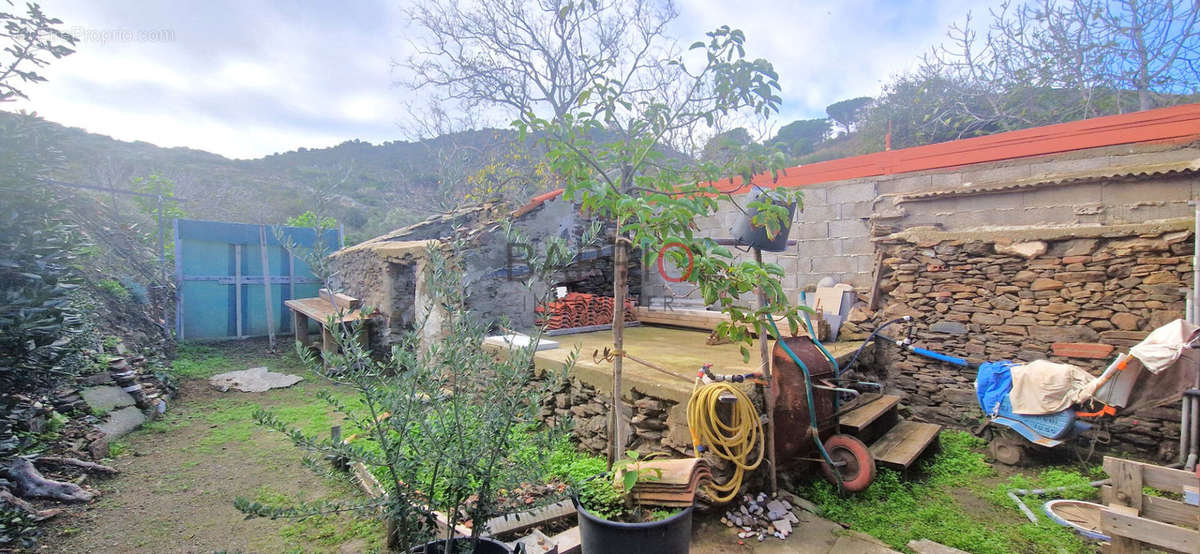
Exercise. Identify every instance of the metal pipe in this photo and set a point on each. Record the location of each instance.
(1013, 494)
(1185, 432)
(1193, 433)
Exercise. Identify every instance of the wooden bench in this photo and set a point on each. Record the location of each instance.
(343, 309)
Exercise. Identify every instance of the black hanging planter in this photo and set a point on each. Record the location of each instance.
(749, 234)
(482, 546)
(672, 535)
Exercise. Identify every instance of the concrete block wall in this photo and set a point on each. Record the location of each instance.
(834, 230)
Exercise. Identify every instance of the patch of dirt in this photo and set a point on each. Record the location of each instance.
(179, 480)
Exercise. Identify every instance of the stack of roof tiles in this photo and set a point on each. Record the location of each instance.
(580, 310)
(668, 482)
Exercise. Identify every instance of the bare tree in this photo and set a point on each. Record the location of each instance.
(1095, 50)
(26, 40)
(532, 55)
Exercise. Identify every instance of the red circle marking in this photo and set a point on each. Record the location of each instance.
(662, 253)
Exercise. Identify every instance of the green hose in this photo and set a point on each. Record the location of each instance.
(812, 408)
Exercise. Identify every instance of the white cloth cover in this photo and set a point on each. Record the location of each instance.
(1044, 387)
(1163, 346)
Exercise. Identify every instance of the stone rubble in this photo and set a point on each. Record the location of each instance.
(757, 517)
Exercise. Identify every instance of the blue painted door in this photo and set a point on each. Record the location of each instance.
(219, 277)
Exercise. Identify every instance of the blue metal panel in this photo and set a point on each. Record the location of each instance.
(219, 277)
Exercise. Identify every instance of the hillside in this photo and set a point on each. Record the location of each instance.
(369, 188)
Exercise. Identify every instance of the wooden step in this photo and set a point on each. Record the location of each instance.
(904, 443)
(859, 418)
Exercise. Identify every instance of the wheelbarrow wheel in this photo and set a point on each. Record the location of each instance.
(857, 464)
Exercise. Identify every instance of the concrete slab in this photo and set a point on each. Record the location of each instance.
(106, 398)
(679, 351)
(255, 379)
(813, 534)
(122, 422)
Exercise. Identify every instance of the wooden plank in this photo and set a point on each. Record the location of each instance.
(520, 521)
(1162, 509)
(569, 541)
(1155, 476)
(1127, 483)
(343, 301)
(320, 310)
(859, 418)
(904, 443)
(1121, 524)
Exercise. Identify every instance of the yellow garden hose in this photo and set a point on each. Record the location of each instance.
(735, 442)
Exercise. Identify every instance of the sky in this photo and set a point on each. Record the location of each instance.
(248, 79)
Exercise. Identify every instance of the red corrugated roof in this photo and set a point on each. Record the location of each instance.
(1174, 124)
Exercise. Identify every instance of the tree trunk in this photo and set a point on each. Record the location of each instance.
(28, 482)
(620, 278)
(765, 367)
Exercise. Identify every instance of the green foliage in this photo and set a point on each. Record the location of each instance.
(310, 220)
(653, 200)
(846, 112)
(439, 422)
(38, 319)
(800, 137)
(897, 510)
(164, 191)
(115, 288)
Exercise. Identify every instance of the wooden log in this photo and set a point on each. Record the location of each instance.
(28, 482)
(75, 462)
(342, 301)
(38, 515)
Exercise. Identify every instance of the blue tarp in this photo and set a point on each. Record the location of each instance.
(992, 383)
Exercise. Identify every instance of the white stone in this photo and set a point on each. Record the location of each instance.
(255, 379)
(1027, 250)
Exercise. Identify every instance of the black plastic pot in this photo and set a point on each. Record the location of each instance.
(482, 546)
(749, 234)
(666, 536)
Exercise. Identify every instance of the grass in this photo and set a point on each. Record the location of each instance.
(959, 504)
(324, 531)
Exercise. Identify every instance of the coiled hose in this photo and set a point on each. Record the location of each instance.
(735, 442)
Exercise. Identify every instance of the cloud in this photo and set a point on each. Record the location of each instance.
(246, 79)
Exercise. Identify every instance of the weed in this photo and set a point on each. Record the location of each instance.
(116, 448)
(114, 288)
(897, 511)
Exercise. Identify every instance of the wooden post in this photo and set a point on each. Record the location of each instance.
(300, 327)
(266, 273)
(620, 278)
(764, 365)
(237, 285)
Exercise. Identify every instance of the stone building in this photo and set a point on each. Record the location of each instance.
(1007, 246)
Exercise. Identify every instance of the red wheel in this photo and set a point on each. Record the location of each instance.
(858, 464)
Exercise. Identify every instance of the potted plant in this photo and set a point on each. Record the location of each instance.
(610, 520)
(437, 421)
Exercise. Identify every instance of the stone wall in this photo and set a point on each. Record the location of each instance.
(1010, 295)
(588, 410)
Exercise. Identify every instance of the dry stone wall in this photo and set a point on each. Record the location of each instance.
(989, 297)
